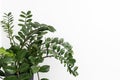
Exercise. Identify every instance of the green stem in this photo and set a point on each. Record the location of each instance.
(48, 56)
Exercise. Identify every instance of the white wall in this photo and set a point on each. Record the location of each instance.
(91, 26)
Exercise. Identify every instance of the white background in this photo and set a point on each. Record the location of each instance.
(91, 26)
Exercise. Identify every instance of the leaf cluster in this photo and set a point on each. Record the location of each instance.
(29, 48)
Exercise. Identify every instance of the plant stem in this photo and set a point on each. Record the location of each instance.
(38, 76)
(48, 56)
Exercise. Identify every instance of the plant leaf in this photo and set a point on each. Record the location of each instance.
(2, 73)
(44, 79)
(51, 28)
(11, 78)
(44, 68)
(24, 67)
(21, 35)
(35, 69)
(29, 12)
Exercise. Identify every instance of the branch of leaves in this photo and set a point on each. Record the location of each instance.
(27, 24)
(62, 51)
(26, 17)
(7, 24)
(22, 37)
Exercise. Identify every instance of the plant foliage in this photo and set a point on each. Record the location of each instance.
(29, 48)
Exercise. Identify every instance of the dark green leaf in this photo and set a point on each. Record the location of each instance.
(23, 12)
(21, 35)
(21, 20)
(48, 39)
(58, 48)
(11, 78)
(74, 73)
(44, 79)
(75, 68)
(24, 30)
(8, 60)
(67, 45)
(29, 12)
(44, 68)
(2, 73)
(23, 16)
(29, 16)
(51, 28)
(24, 67)
(21, 55)
(25, 76)
(54, 46)
(55, 40)
(32, 59)
(22, 25)
(37, 24)
(61, 41)
(29, 20)
(47, 45)
(62, 51)
(9, 13)
(71, 62)
(10, 69)
(19, 39)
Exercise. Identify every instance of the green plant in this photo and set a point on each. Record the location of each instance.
(29, 48)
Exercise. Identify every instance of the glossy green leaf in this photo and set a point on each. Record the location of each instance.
(22, 25)
(29, 12)
(60, 40)
(44, 79)
(2, 73)
(21, 20)
(62, 51)
(51, 28)
(21, 55)
(29, 16)
(29, 20)
(10, 69)
(44, 68)
(19, 39)
(9, 13)
(11, 78)
(21, 35)
(24, 30)
(58, 48)
(75, 68)
(25, 76)
(24, 67)
(23, 12)
(23, 16)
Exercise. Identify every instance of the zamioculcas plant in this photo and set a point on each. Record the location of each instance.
(29, 48)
